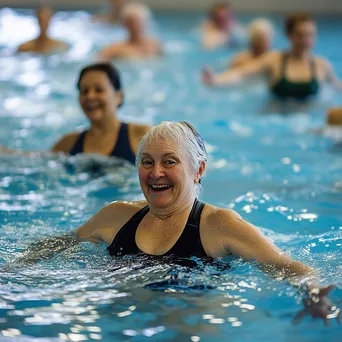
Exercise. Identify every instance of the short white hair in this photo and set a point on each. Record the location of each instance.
(180, 132)
(260, 25)
(137, 9)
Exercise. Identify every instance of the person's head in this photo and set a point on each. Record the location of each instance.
(260, 35)
(100, 91)
(136, 18)
(172, 155)
(44, 15)
(334, 117)
(221, 15)
(301, 30)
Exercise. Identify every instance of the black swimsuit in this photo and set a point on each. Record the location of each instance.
(285, 88)
(188, 245)
(122, 148)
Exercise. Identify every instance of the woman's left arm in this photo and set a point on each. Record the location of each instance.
(243, 239)
(330, 75)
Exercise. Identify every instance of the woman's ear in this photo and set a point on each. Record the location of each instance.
(200, 172)
(119, 97)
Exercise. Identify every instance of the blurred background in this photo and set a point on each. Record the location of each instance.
(315, 6)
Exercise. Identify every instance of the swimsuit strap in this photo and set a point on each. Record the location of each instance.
(79, 144)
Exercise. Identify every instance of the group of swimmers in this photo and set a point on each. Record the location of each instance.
(171, 157)
(292, 74)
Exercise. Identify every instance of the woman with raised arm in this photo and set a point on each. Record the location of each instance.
(296, 73)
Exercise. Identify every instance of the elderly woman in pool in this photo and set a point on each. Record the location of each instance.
(296, 73)
(171, 162)
(135, 18)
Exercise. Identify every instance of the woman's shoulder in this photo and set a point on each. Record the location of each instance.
(219, 217)
(138, 130)
(66, 143)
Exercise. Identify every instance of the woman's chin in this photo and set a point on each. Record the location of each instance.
(94, 116)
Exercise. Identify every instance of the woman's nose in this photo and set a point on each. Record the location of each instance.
(157, 171)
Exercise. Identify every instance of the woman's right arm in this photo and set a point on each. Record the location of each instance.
(234, 76)
(100, 228)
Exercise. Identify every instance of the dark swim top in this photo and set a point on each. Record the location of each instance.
(188, 245)
(299, 90)
(122, 148)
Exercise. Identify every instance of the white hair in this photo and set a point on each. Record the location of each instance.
(260, 25)
(138, 10)
(182, 133)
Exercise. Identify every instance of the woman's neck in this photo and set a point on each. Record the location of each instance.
(300, 53)
(172, 211)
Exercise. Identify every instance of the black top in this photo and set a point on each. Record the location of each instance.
(188, 245)
(285, 88)
(122, 148)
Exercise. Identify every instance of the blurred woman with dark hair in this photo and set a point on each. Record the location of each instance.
(100, 96)
(43, 44)
(220, 27)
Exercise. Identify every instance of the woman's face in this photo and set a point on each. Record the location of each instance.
(166, 174)
(223, 17)
(262, 41)
(135, 25)
(303, 35)
(97, 96)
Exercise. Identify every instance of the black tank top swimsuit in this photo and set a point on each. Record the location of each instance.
(122, 148)
(188, 245)
(284, 88)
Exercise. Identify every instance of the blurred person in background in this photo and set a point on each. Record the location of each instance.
(114, 13)
(221, 28)
(43, 44)
(296, 73)
(136, 18)
(100, 96)
(260, 33)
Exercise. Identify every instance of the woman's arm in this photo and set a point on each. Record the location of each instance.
(243, 239)
(66, 143)
(234, 76)
(330, 75)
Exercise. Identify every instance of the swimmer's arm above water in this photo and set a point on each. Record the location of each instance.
(243, 239)
(63, 145)
(234, 76)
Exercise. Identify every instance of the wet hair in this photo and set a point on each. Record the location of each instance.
(260, 25)
(218, 6)
(295, 19)
(183, 133)
(137, 9)
(111, 72)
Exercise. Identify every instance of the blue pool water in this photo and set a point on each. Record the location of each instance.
(264, 162)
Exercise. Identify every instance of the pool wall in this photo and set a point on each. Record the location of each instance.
(314, 6)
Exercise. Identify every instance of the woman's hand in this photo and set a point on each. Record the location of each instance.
(318, 305)
(208, 76)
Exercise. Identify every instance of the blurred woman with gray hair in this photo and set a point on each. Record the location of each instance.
(136, 18)
(260, 34)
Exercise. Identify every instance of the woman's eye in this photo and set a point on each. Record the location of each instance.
(99, 90)
(146, 162)
(170, 162)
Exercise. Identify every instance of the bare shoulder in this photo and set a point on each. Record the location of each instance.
(26, 47)
(66, 143)
(107, 222)
(139, 130)
(322, 62)
(220, 217)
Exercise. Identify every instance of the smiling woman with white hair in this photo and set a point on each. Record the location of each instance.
(136, 18)
(171, 161)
